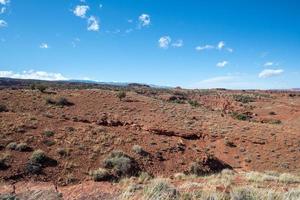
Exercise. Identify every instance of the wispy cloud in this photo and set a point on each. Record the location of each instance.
(44, 46)
(221, 45)
(270, 73)
(93, 24)
(177, 44)
(144, 20)
(205, 47)
(222, 63)
(81, 10)
(2, 10)
(31, 74)
(3, 23)
(4, 2)
(218, 79)
(268, 64)
(164, 42)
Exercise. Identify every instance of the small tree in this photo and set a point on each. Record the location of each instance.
(121, 95)
(41, 88)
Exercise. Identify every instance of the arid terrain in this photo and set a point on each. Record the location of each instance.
(59, 137)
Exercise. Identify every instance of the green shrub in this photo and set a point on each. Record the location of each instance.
(121, 95)
(121, 164)
(194, 103)
(41, 88)
(11, 146)
(22, 147)
(241, 116)
(63, 152)
(60, 102)
(48, 133)
(38, 156)
(243, 98)
(138, 149)
(3, 108)
(100, 174)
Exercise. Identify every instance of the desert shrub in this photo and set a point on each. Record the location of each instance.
(63, 152)
(272, 113)
(38, 156)
(144, 177)
(3, 108)
(50, 101)
(22, 147)
(240, 116)
(194, 103)
(288, 178)
(197, 168)
(8, 197)
(121, 95)
(64, 102)
(100, 174)
(49, 142)
(60, 102)
(139, 150)
(11, 146)
(3, 162)
(243, 98)
(48, 133)
(121, 164)
(41, 88)
(161, 190)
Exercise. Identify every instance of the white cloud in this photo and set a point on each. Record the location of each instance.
(206, 47)
(221, 45)
(100, 5)
(270, 72)
(164, 42)
(2, 10)
(222, 64)
(3, 23)
(178, 44)
(268, 64)
(81, 10)
(44, 46)
(230, 50)
(144, 20)
(219, 79)
(93, 24)
(31, 74)
(4, 2)
(130, 21)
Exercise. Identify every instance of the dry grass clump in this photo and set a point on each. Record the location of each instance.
(100, 174)
(160, 189)
(272, 176)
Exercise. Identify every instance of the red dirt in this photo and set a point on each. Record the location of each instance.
(174, 134)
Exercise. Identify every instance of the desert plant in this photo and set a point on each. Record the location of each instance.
(240, 116)
(48, 133)
(100, 174)
(121, 95)
(194, 103)
(121, 164)
(243, 98)
(63, 152)
(3, 108)
(161, 190)
(22, 147)
(41, 88)
(64, 102)
(11, 146)
(138, 150)
(38, 156)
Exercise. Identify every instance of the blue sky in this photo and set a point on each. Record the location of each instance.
(190, 43)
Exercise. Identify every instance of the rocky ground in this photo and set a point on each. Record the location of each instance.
(160, 131)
